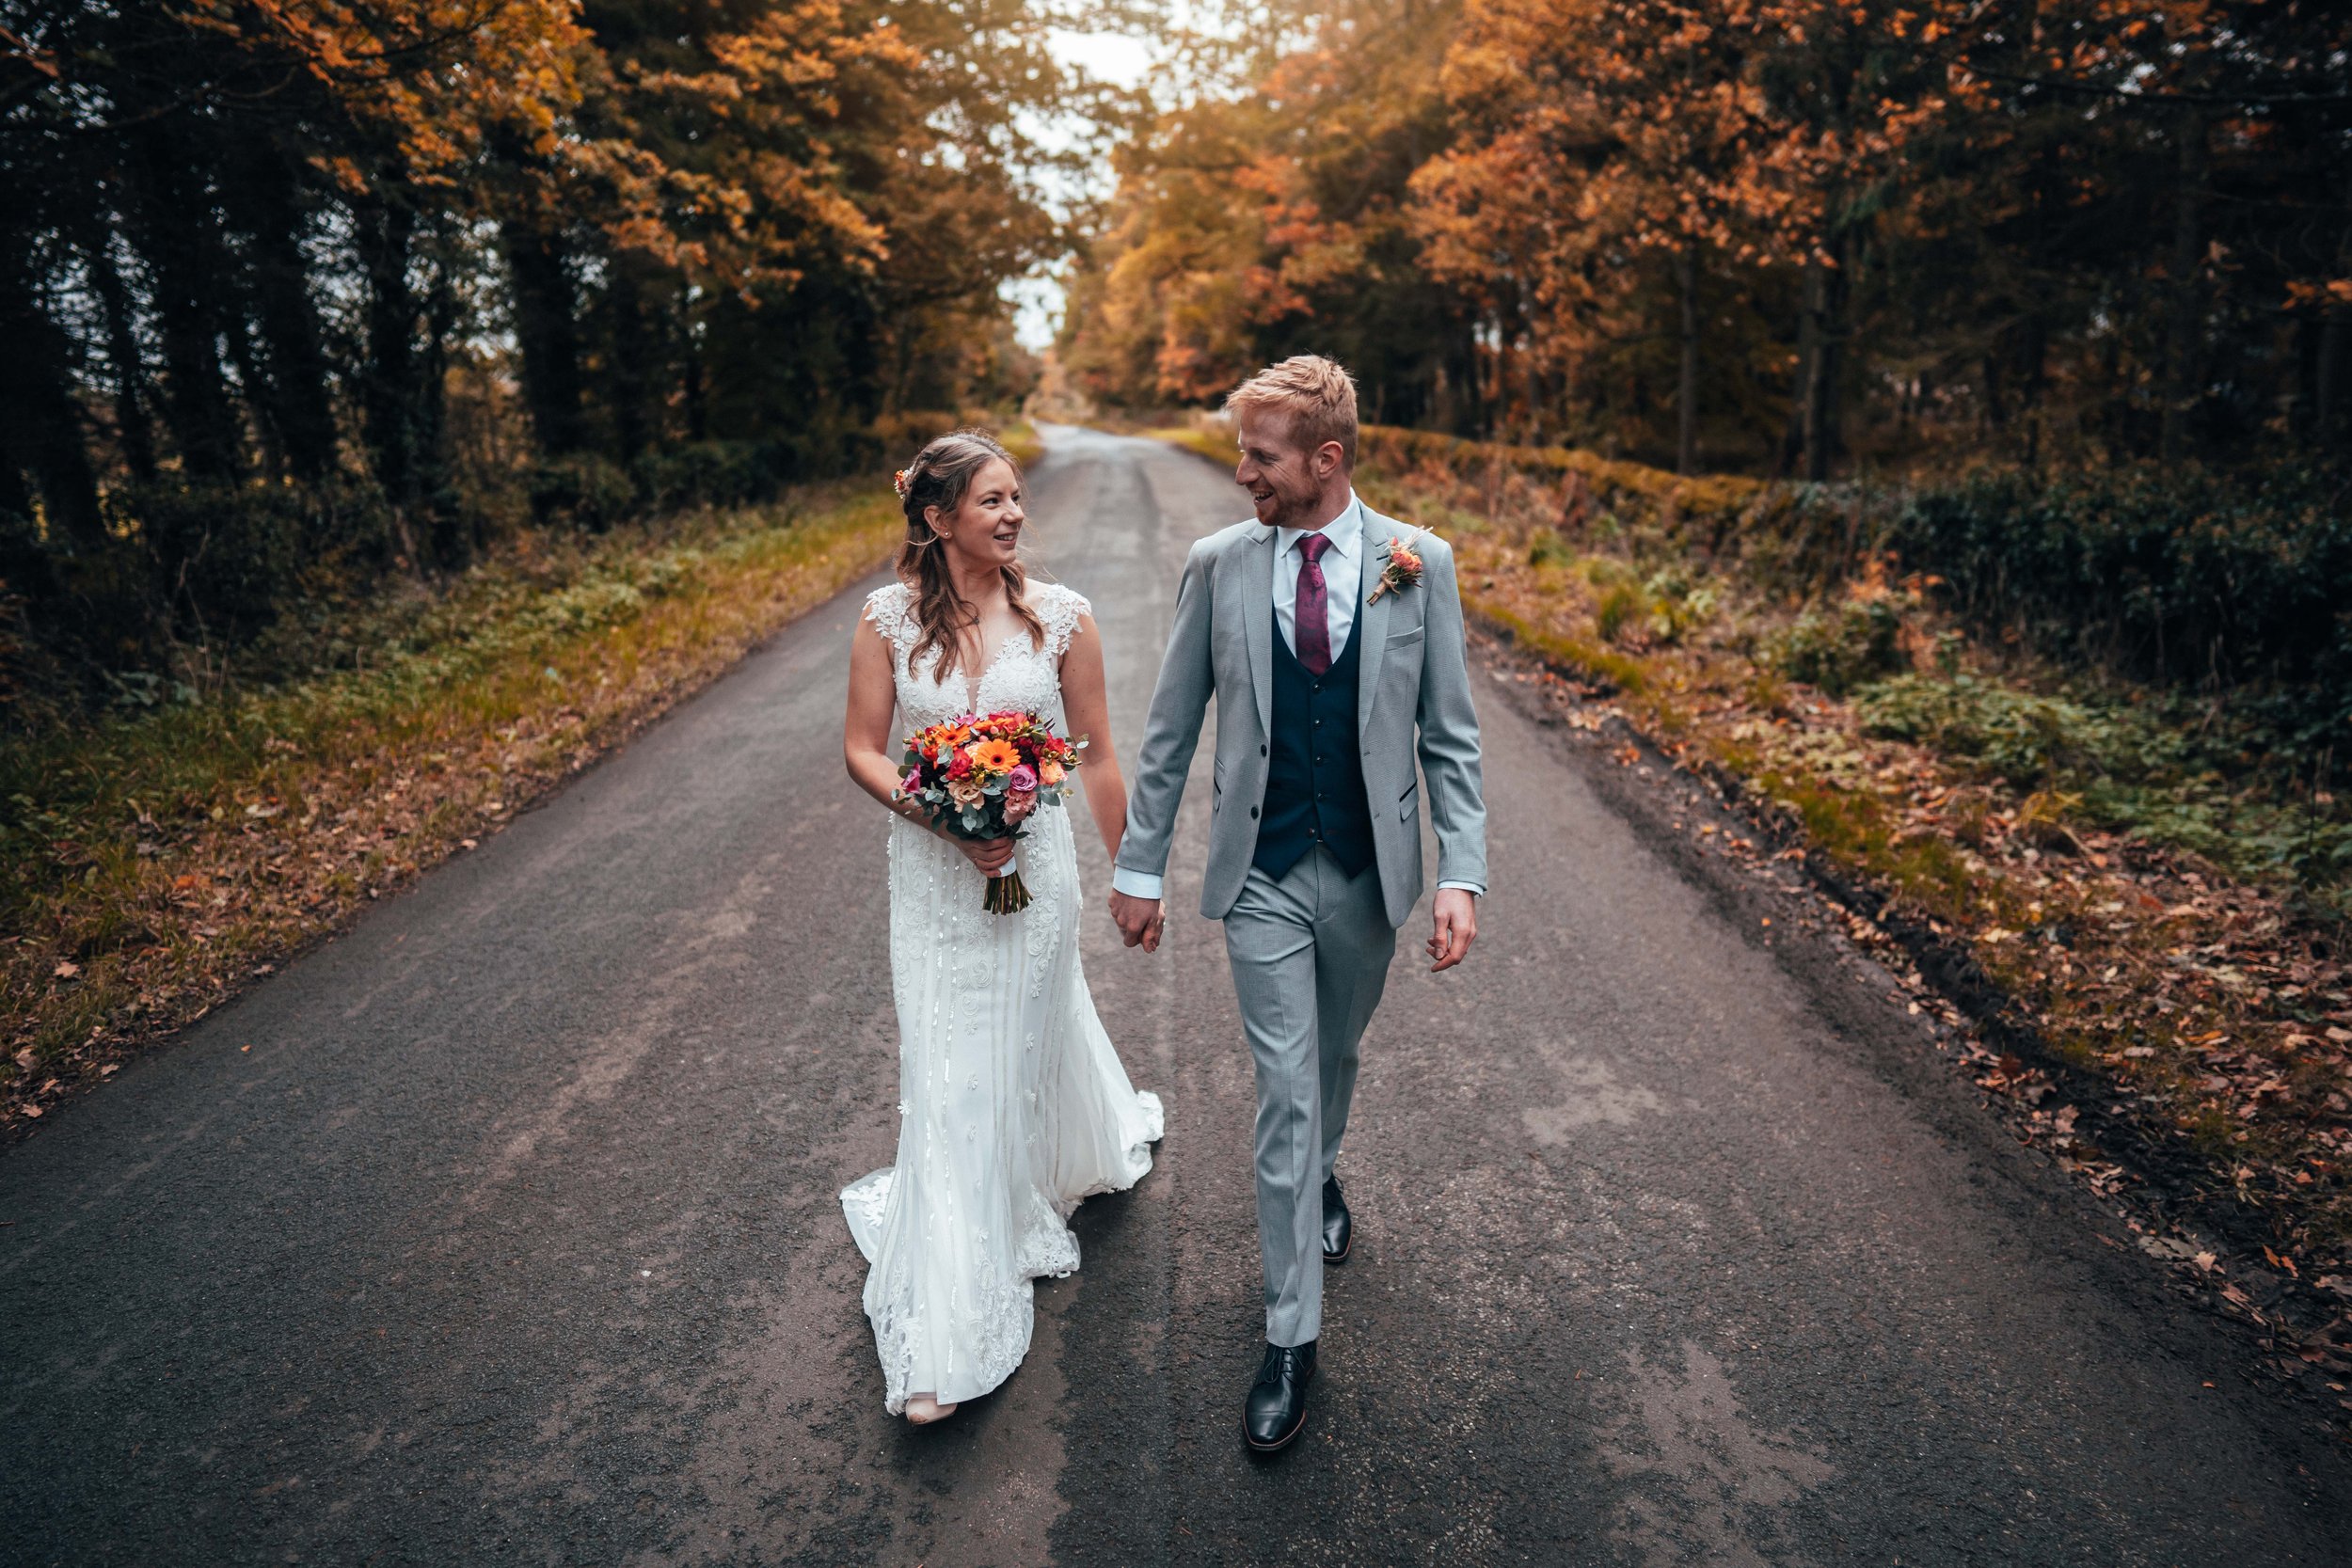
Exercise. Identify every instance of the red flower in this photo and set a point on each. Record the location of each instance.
(961, 767)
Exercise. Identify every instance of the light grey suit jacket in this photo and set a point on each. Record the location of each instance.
(1413, 675)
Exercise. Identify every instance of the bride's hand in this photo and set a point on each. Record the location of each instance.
(989, 855)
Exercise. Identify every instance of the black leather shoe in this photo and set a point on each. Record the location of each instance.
(1339, 1225)
(1277, 1407)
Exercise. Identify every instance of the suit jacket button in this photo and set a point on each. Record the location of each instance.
(1253, 813)
(1262, 747)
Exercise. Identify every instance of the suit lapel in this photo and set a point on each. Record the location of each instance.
(1258, 623)
(1372, 615)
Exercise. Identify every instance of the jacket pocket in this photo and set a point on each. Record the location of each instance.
(1410, 634)
(1217, 778)
(1408, 802)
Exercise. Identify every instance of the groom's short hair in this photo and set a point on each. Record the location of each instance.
(1316, 394)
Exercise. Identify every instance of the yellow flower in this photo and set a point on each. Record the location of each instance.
(997, 756)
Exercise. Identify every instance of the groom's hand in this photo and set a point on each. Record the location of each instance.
(1456, 928)
(1138, 920)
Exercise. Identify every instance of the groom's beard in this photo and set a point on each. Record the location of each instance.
(1294, 508)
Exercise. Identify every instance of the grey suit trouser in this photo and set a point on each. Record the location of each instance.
(1310, 953)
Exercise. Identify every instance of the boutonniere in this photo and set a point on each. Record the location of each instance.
(1401, 570)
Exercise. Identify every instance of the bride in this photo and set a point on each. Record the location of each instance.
(1012, 1106)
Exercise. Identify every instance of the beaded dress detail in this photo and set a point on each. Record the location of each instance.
(1013, 1105)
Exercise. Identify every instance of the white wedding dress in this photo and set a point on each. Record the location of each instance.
(1013, 1105)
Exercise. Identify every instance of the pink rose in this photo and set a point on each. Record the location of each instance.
(910, 784)
(1020, 781)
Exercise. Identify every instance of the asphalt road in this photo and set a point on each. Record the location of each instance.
(504, 1228)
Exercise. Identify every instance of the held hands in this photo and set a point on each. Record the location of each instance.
(1139, 920)
(1456, 911)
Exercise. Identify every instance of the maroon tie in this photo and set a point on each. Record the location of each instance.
(1313, 627)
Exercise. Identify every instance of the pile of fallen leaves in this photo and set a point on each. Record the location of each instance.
(152, 865)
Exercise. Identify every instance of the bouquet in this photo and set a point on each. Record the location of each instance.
(981, 777)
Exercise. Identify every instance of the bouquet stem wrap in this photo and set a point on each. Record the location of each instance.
(1007, 893)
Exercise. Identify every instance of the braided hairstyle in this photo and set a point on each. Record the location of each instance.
(939, 477)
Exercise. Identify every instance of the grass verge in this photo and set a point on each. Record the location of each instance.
(151, 864)
(2144, 937)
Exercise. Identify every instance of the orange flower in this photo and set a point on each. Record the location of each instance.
(997, 756)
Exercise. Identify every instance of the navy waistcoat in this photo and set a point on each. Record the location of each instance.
(1314, 789)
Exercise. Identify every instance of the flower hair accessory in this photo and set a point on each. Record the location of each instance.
(899, 482)
(1401, 570)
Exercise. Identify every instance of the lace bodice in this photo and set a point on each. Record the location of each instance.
(1019, 674)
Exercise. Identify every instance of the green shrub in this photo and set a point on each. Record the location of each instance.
(2030, 739)
(581, 490)
(1838, 650)
(1679, 603)
(1619, 610)
(709, 473)
(2172, 575)
(2236, 582)
(1545, 549)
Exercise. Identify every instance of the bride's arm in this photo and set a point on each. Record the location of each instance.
(1085, 702)
(865, 743)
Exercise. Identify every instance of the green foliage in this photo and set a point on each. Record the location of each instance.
(1679, 603)
(2159, 770)
(706, 473)
(1839, 649)
(1619, 609)
(2172, 575)
(581, 490)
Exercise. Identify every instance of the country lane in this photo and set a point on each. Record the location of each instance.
(504, 1228)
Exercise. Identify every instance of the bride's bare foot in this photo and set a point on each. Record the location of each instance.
(923, 1410)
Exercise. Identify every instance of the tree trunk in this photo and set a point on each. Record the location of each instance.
(1829, 334)
(2181, 329)
(1687, 381)
(631, 380)
(1810, 441)
(2332, 393)
(387, 388)
(2033, 373)
(269, 210)
(133, 436)
(180, 239)
(40, 422)
(254, 378)
(692, 389)
(453, 533)
(547, 333)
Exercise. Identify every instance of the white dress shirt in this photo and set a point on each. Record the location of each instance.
(1342, 591)
(1342, 576)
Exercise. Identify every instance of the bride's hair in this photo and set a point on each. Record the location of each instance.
(940, 475)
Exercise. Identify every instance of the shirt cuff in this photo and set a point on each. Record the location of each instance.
(1467, 887)
(1135, 884)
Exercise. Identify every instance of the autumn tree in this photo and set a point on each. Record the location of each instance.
(1893, 230)
(361, 279)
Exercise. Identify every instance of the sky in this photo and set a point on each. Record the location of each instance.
(1117, 57)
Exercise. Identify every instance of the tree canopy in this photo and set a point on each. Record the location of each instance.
(1774, 234)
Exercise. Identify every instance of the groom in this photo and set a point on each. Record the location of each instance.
(1329, 635)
